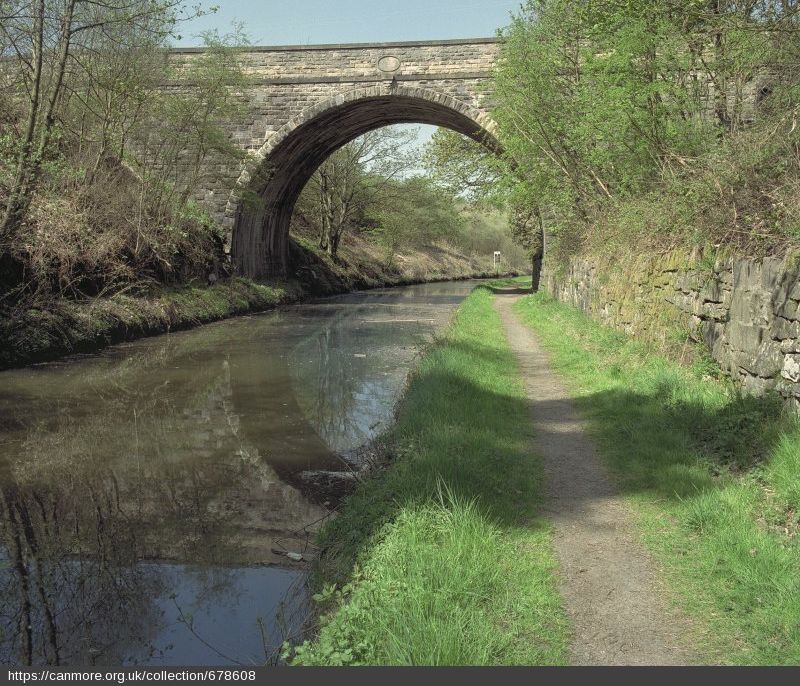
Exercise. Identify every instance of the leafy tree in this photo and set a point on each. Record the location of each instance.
(181, 129)
(462, 167)
(338, 194)
(605, 103)
(98, 160)
(413, 212)
(50, 41)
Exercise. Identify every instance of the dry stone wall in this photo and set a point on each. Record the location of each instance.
(746, 311)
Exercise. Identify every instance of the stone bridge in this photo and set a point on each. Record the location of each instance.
(304, 102)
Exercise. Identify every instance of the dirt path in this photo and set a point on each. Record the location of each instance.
(609, 584)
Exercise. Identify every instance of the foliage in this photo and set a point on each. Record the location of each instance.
(182, 128)
(49, 43)
(463, 167)
(91, 147)
(370, 187)
(412, 212)
(470, 172)
(352, 181)
(635, 114)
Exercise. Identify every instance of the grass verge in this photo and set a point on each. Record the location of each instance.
(442, 558)
(714, 478)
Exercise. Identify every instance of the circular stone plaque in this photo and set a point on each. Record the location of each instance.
(388, 63)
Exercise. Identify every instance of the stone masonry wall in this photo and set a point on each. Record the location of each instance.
(286, 80)
(746, 311)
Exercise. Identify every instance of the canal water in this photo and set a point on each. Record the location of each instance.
(150, 493)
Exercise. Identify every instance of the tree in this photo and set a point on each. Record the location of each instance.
(181, 129)
(528, 231)
(607, 106)
(465, 169)
(343, 187)
(413, 212)
(104, 184)
(462, 167)
(51, 41)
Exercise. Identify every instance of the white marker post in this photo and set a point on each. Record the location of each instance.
(496, 262)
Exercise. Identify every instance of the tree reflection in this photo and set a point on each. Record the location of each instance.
(147, 469)
(189, 451)
(347, 377)
(70, 576)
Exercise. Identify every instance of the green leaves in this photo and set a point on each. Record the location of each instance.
(607, 102)
(463, 167)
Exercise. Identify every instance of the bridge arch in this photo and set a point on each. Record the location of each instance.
(260, 207)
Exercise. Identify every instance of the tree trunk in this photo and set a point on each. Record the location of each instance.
(16, 202)
(31, 164)
(536, 271)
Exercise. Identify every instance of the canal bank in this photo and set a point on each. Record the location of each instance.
(444, 557)
(67, 326)
(671, 507)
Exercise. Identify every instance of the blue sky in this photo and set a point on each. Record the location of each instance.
(298, 22)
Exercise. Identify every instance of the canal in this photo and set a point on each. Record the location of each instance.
(160, 499)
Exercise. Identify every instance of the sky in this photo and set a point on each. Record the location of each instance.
(302, 22)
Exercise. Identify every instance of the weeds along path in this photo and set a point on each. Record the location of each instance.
(609, 584)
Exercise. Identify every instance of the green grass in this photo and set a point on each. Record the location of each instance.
(508, 281)
(442, 558)
(714, 478)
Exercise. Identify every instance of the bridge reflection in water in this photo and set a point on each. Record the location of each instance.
(145, 490)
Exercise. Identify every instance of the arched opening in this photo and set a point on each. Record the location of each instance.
(260, 209)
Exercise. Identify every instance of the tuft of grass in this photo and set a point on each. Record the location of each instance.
(714, 478)
(443, 559)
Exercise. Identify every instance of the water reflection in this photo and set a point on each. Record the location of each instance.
(188, 449)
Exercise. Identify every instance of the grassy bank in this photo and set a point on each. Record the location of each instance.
(714, 478)
(442, 558)
(63, 326)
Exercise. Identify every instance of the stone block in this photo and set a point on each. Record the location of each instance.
(765, 363)
(726, 277)
(683, 301)
(745, 274)
(713, 335)
(689, 281)
(782, 329)
(745, 337)
(772, 270)
(791, 368)
(750, 306)
(713, 292)
(754, 385)
(715, 311)
(794, 291)
(790, 345)
(789, 310)
(790, 391)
